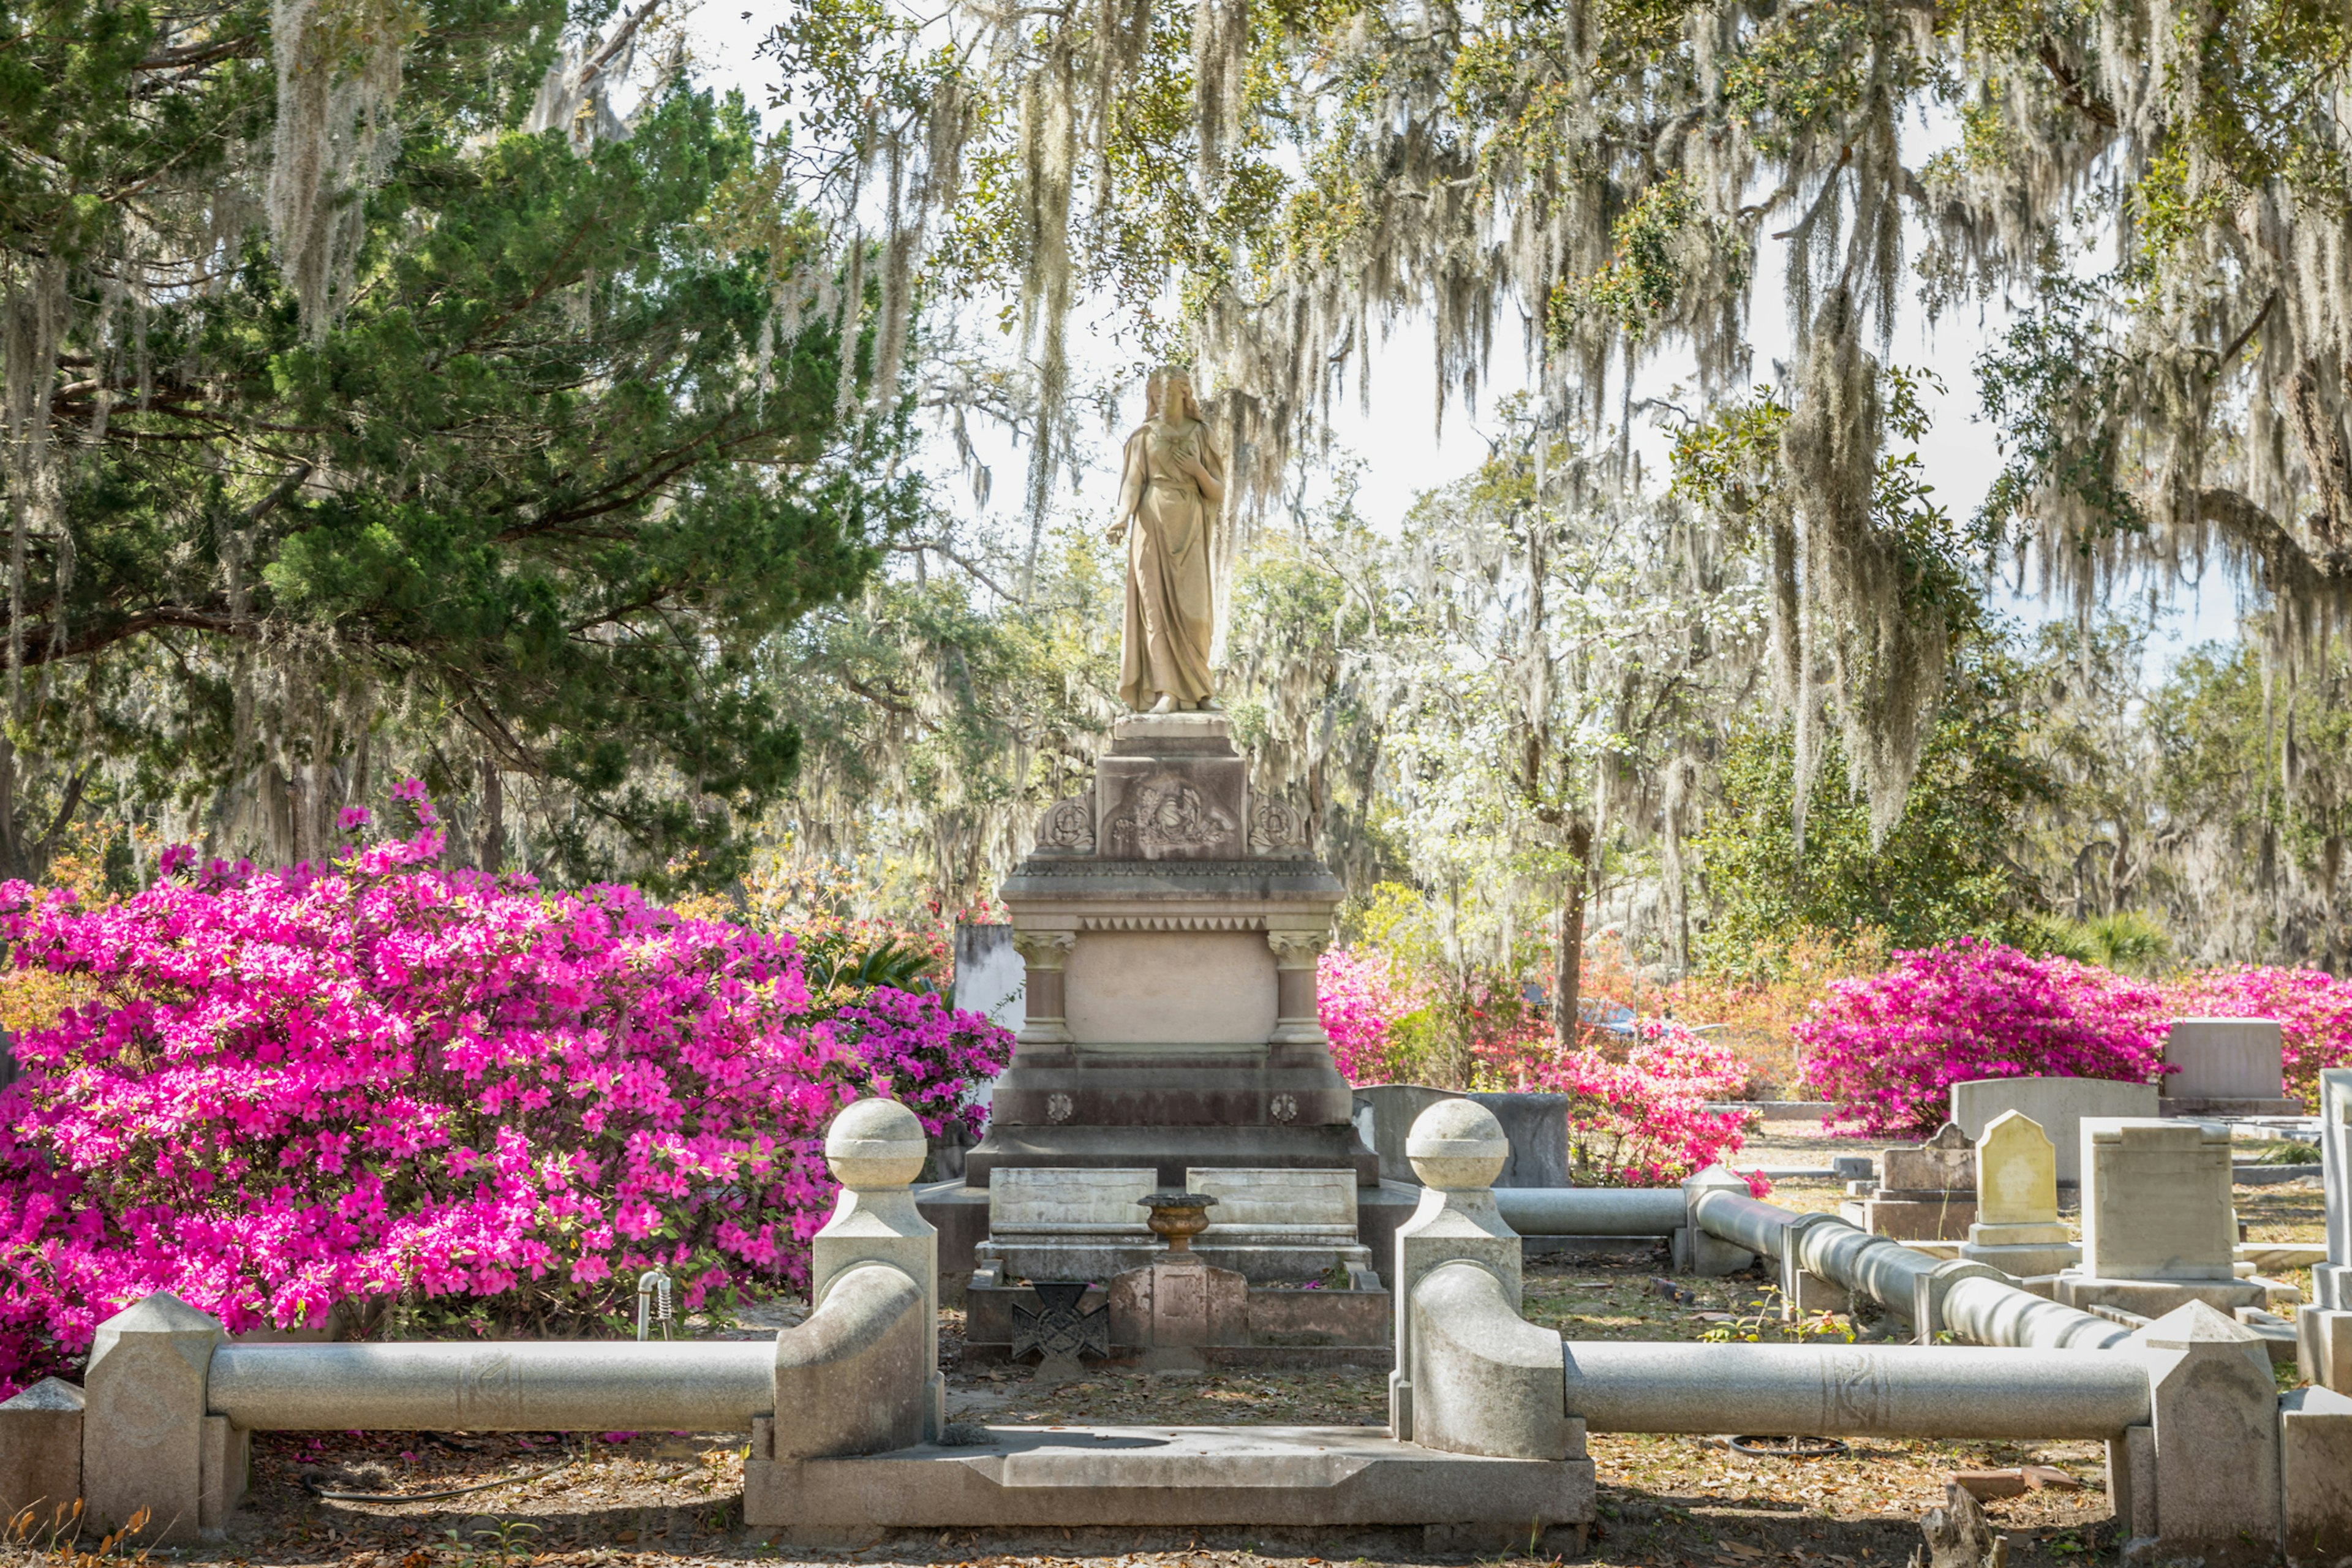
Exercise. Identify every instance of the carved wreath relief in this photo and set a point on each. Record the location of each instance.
(1164, 814)
(1069, 827)
(1277, 829)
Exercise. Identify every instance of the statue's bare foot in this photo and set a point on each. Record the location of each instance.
(1167, 703)
(1207, 705)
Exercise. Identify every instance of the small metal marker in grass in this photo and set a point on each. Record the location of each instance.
(1788, 1447)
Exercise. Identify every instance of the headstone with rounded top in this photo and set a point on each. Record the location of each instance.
(2017, 1229)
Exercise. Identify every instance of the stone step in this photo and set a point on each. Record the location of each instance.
(1083, 1477)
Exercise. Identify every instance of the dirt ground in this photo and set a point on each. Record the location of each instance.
(650, 1500)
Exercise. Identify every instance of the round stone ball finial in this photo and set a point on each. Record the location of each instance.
(1457, 1146)
(875, 1144)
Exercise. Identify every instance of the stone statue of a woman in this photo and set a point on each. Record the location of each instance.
(1172, 481)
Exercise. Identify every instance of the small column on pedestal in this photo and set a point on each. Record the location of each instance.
(1047, 955)
(1296, 955)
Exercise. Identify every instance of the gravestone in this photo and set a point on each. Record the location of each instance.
(1927, 1192)
(2159, 1228)
(1177, 1310)
(2225, 1066)
(1281, 1225)
(1170, 920)
(2332, 1280)
(2017, 1229)
(1536, 1124)
(143, 1419)
(1051, 1223)
(40, 1453)
(2324, 1329)
(2057, 1106)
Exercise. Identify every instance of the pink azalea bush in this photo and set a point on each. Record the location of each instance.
(1888, 1046)
(383, 1082)
(1644, 1121)
(2314, 1010)
(1359, 996)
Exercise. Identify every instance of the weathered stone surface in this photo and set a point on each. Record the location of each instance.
(1281, 1225)
(1167, 1475)
(1172, 1311)
(225, 1466)
(2323, 1341)
(1536, 1127)
(1535, 1124)
(2315, 1475)
(2331, 1281)
(2017, 1229)
(876, 1149)
(1484, 1380)
(40, 1450)
(2152, 1298)
(1318, 1203)
(1456, 1148)
(852, 1377)
(2156, 1200)
(1940, 1218)
(1944, 1164)
(2017, 1172)
(1171, 996)
(1391, 1108)
(2057, 1104)
(1696, 1251)
(1171, 988)
(143, 1426)
(2216, 1438)
(2223, 1058)
(1171, 788)
(2131, 1487)
(1068, 1202)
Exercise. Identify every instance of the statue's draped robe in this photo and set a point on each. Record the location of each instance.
(1165, 644)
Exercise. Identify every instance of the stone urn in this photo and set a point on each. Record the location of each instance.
(1176, 1218)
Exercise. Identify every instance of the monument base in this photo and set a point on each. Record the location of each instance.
(2194, 1105)
(1257, 1328)
(2155, 1298)
(1177, 1476)
(2022, 1262)
(1912, 1219)
(1172, 1150)
(959, 1213)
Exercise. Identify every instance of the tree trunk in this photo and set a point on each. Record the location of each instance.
(1568, 977)
(12, 853)
(494, 817)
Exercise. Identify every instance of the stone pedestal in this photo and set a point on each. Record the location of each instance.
(2216, 1420)
(1269, 1226)
(1171, 919)
(2158, 1229)
(146, 1439)
(1927, 1192)
(1175, 1309)
(2331, 1283)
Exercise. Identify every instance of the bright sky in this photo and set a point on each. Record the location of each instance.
(1407, 452)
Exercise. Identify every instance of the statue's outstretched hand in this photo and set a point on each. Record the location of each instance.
(1116, 533)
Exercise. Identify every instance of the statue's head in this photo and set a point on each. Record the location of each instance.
(1169, 392)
